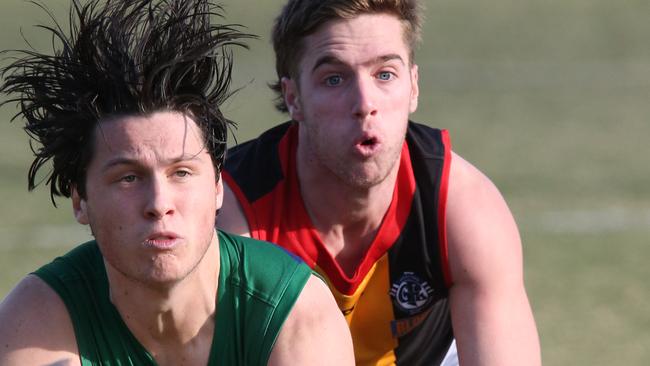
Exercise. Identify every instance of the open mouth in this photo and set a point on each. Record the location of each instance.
(369, 142)
(367, 146)
(160, 241)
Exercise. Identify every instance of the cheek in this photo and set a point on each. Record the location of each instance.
(201, 199)
(325, 133)
(326, 102)
(400, 101)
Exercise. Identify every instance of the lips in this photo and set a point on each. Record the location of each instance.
(161, 240)
(367, 145)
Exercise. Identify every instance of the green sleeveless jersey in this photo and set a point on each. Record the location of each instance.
(258, 285)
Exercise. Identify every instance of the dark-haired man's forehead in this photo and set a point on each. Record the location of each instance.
(130, 161)
(163, 135)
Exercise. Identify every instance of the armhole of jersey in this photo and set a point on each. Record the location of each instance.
(243, 203)
(295, 284)
(442, 209)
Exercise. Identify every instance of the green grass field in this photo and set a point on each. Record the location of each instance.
(551, 99)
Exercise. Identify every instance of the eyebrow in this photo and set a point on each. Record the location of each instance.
(333, 60)
(128, 161)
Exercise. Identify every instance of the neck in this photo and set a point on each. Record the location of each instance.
(331, 202)
(171, 321)
(347, 217)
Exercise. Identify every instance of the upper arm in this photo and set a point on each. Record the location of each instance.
(231, 215)
(492, 319)
(315, 332)
(36, 328)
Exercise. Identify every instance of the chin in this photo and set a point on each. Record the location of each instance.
(163, 275)
(364, 181)
(161, 280)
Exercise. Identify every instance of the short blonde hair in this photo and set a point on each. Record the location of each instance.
(300, 18)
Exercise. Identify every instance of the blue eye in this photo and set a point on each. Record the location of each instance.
(385, 75)
(333, 80)
(182, 173)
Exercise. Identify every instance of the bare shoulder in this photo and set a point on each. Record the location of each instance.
(315, 333)
(468, 182)
(231, 215)
(36, 328)
(482, 234)
(486, 264)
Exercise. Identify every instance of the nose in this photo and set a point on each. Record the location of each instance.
(363, 98)
(159, 199)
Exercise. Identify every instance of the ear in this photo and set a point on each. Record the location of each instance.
(415, 89)
(292, 98)
(218, 196)
(79, 207)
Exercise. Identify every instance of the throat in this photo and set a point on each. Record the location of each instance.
(349, 249)
(195, 351)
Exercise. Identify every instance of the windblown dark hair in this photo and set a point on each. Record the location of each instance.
(121, 57)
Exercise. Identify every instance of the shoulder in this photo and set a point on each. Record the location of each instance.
(423, 136)
(259, 147)
(252, 170)
(428, 145)
(482, 235)
(269, 268)
(256, 250)
(315, 332)
(486, 265)
(466, 181)
(36, 327)
(314, 303)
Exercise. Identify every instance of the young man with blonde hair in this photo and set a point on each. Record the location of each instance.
(418, 246)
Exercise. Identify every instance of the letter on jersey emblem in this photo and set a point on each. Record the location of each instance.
(411, 293)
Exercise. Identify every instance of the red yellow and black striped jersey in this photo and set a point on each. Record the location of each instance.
(396, 303)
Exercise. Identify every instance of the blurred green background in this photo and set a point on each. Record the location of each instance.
(550, 98)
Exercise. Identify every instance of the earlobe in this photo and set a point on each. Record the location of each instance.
(79, 207)
(291, 98)
(415, 89)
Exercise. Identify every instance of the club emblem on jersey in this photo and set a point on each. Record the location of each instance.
(411, 293)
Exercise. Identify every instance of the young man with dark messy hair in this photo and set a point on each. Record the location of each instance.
(127, 111)
(418, 246)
